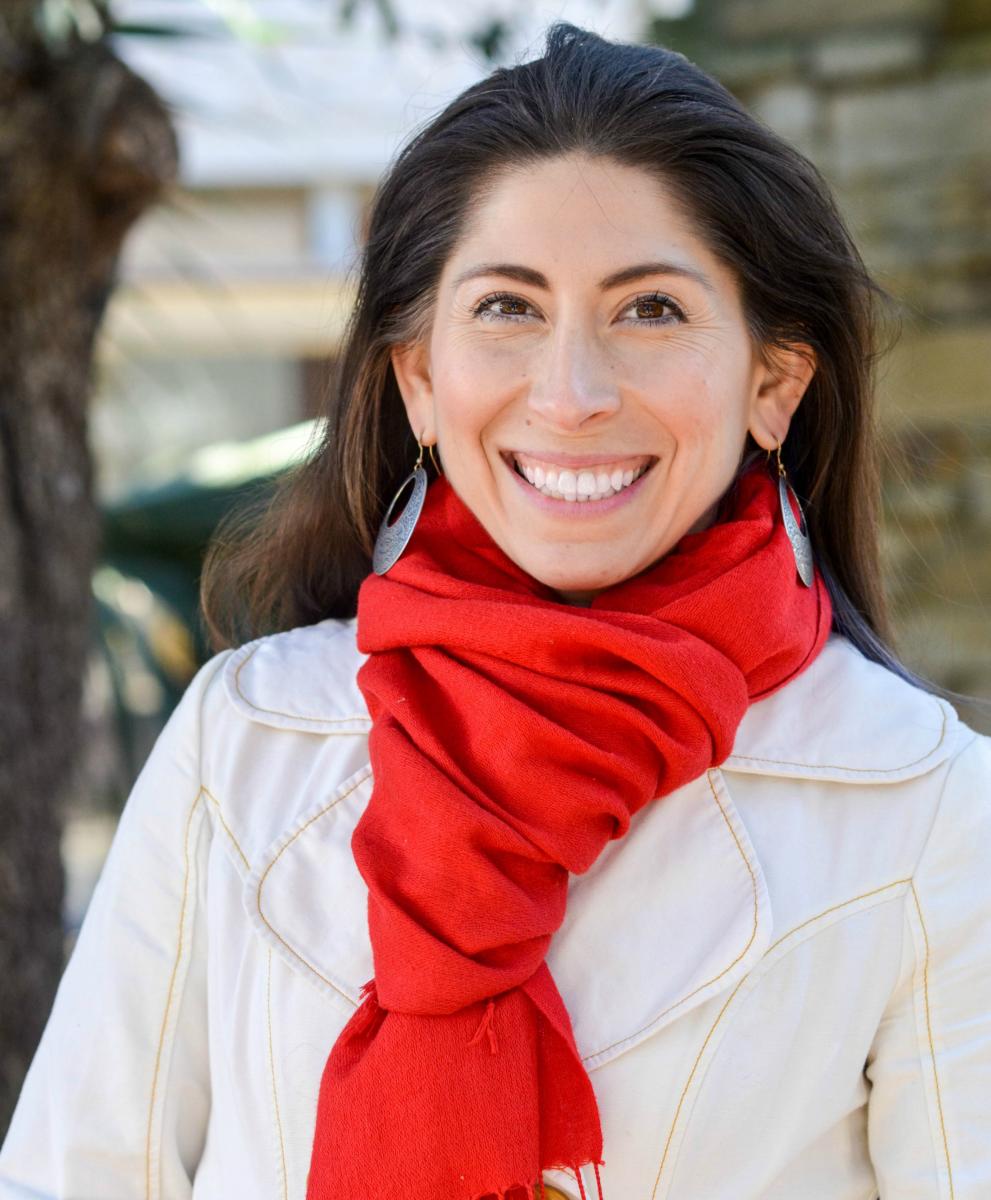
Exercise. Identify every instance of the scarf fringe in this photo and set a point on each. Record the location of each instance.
(535, 1191)
(486, 1026)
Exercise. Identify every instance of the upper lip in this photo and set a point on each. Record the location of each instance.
(576, 460)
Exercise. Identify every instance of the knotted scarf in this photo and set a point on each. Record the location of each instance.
(513, 736)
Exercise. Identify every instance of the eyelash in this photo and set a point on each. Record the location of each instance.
(482, 310)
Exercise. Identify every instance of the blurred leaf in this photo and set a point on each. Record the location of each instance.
(493, 39)
(244, 22)
(62, 21)
(347, 10)
(136, 29)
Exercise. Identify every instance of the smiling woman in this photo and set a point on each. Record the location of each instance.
(601, 257)
(591, 838)
(625, 408)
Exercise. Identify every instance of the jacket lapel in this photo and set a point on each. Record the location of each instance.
(622, 959)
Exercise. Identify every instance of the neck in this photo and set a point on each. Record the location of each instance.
(578, 599)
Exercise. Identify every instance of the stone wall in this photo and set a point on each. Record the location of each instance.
(892, 101)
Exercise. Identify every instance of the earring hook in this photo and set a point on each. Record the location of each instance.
(433, 458)
(781, 467)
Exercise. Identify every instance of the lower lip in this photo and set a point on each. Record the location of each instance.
(578, 510)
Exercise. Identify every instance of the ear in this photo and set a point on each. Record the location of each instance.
(780, 385)
(411, 365)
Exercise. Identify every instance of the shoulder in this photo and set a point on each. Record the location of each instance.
(845, 717)
(282, 726)
(959, 841)
(303, 679)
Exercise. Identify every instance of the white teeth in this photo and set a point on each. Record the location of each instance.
(579, 486)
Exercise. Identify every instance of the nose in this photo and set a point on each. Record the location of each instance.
(574, 381)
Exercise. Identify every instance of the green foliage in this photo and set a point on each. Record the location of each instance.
(62, 22)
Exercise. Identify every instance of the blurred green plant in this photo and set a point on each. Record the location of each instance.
(61, 23)
(146, 588)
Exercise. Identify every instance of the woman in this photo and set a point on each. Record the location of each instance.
(576, 832)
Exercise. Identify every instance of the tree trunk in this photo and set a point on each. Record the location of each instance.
(85, 147)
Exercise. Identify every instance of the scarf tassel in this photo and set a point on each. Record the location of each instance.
(560, 1067)
(536, 1191)
(486, 1026)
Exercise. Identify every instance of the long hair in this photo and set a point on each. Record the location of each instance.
(761, 207)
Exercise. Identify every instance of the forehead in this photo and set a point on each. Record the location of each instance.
(578, 213)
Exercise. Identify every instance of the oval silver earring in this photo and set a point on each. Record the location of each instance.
(392, 540)
(797, 531)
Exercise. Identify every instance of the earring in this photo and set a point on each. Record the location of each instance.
(392, 540)
(797, 531)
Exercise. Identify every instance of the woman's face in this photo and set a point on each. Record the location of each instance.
(584, 334)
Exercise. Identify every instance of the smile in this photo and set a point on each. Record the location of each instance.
(579, 488)
(580, 484)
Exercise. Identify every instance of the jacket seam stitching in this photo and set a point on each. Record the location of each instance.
(220, 662)
(925, 966)
(258, 891)
(169, 994)
(275, 1093)
(783, 762)
(708, 982)
(929, 1035)
(729, 1000)
(227, 829)
(278, 712)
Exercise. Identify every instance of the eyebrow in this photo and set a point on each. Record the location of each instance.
(626, 275)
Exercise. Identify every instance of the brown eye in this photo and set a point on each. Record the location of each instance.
(519, 307)
(652, 307)
(486, 310)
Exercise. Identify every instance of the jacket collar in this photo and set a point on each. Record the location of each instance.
(686, 862)
(847, 719)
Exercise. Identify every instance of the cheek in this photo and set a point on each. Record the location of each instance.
(702, 398)
(687, 401)
(493, 363)
(470, 393)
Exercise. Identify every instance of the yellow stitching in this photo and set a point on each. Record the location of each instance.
(168, 999)
(293, 716)
(275, 1094)
(782, 762)
(753, 934)
(929, 1031)
(834, 907)
(230, 832)
(691, 1075)
(261, 881)
(719, 1015)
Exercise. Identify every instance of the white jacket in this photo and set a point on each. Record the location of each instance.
(779, 980)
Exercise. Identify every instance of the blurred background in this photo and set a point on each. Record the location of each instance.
(183, 193)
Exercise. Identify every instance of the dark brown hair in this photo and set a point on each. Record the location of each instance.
(762, 208)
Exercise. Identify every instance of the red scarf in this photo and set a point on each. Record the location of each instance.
(513, 736)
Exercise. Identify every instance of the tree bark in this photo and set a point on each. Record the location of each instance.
(85, 147)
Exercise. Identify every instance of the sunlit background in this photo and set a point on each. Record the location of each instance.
(224, 331)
